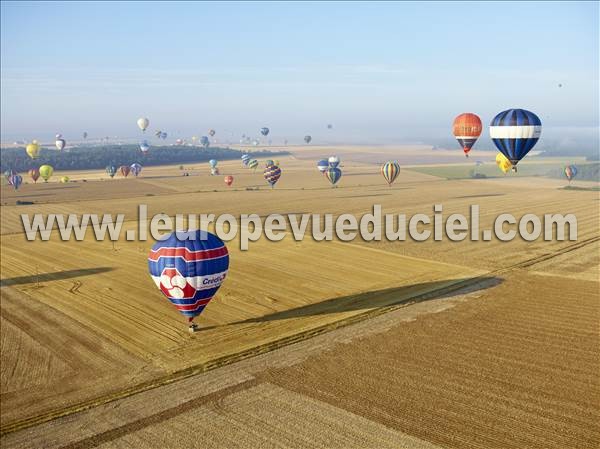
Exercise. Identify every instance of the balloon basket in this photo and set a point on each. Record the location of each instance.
(193, 328)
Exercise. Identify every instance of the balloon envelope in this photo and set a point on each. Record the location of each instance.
(143, 123)
(307, 139)
(334, 161)
(46, 172)
(15, 181)
(333, 174)
(33, 150)
(515, 132)
(228, 180)
(322, 165)
(125, 169)
(111, 170)
(212, 163)
(34, 174)
(264, 131)
(60, 144)
(144, 146)
(570, 172)
(467, 129)
(390, 171)
(272, 174)
(188, 268)
(136, 169)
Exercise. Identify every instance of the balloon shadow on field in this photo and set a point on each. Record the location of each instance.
(484, 195)
(407, 294)
(55, 276)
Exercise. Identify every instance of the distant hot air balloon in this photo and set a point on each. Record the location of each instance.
(211, 132)
(570, 172)
(34, 174)
(158, 133)
(214, 171)
(85, 134)
(33, 149)
(125, 169)
(144, 147)
(272, 174)
(467, 129)
(264, 131)
(253, 164)
(330, 126)
(163, 136)
(255, 142)
(136, 169)
(60, 144)
(307, 139)
(245, 159)
(515, 132)
(143, 123)
(46, 172)
(64, 179)
(334, 161)
(8, 174)
(16, 181)
(503, 163)
(390, 171)
(204, 141)
(213, 163)
(178, 141)
(188, 268)
(228, 180)
(269, 162)
(333, 174)
(111, 170)
(322, 165)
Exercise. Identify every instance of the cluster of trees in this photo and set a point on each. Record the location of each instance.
(98, 157)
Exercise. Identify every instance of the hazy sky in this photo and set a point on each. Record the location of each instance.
(396, 72)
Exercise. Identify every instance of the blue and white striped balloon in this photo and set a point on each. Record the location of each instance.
(515, 132)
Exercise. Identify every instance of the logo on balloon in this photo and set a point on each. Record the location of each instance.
(174, 285)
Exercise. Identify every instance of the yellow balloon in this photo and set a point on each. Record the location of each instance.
(64, 179)
(33, 150)
(46, 172)
(503, 163)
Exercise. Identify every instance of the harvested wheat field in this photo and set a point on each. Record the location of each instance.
(307, 344)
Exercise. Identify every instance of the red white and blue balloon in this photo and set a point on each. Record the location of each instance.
(189, 268)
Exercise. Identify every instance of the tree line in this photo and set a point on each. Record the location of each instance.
(98, 157)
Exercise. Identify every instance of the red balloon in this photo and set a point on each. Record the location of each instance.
(34, 173)
(467, 129)
(228, 180)
(125, 169)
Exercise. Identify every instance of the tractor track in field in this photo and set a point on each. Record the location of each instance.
(453, 287)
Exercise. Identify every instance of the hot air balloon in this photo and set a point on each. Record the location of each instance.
(334, 161)
(253, 164)
(16, 181)
(188, 268)
(272, 174)
(34, 174)
(570, 172)
(330, 126)
(178, 141)
(269, 162)
(33, 149)
(163, 136)
(8, 175)
(390, 171)
(211, 132)
(204, 141)
(46, 172)
(144, 147)
(143, 123)
(322, 165)
(125, 169)
(228, 180)
(467, 129)
(60, 144)
(213, 163)
(307, 139)
(136, 169)
(85, 134)
(111, 170)
(503, 163)
(158, 133)
(264, 131)
(515, 132)
(333, 174)
(245, 159)
(214, 171)
(64, 179)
